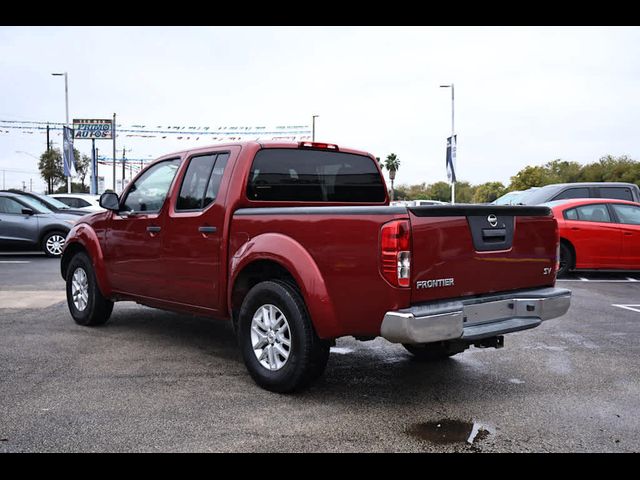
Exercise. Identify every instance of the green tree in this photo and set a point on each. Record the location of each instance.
(392, 164)
(439, 191)
(464, 192)
(76, 187)
(532, 176)
(83, 167)
(401, 192)
(51, 170)
(613, 169)
(564, 171)
(488, 192)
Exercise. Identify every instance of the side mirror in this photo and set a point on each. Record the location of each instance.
(109, 200)
(27, 211)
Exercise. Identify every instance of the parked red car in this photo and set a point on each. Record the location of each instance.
(598, 233)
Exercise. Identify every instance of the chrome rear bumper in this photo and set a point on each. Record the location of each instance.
(475, 318)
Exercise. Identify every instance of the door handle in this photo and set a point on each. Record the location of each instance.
(153, 229)
(628, 234)
(575, 228)
(207, 229)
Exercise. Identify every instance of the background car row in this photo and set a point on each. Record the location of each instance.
(34, 221)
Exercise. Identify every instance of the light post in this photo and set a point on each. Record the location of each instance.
(313, 127)
(66, 102)
(453, 183)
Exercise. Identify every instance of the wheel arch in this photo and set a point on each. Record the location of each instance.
(276, 256)
(82, 238)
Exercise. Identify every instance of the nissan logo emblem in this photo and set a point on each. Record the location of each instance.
(493, 220)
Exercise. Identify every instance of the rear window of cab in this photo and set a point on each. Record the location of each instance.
(298, 175)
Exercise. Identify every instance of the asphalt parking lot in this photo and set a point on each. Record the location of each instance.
(156, 381)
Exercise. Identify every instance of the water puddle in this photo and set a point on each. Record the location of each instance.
(450, 431)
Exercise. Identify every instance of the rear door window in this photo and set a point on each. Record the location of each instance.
(619, 193)
(298, 175)
(573, 193)
(201, 181)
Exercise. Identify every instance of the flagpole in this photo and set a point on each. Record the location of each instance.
(453, 145)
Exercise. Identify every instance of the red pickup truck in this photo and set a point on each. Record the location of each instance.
(297, 245)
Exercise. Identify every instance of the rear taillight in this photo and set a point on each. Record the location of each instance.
(395, 252)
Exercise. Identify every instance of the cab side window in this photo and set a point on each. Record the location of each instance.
(573, 193)
(71, 202)
(201, 181)
(619, 193)
(149, 191)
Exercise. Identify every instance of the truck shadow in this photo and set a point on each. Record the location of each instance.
(374, 373)
(168, 329)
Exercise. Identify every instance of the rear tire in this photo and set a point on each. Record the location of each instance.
(279, 345)
(566, 260)
(435, 351)
(53, 243)
(87, 305)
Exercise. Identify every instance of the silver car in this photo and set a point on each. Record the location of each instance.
(27, 224)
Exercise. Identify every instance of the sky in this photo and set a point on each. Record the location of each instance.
(523, 95)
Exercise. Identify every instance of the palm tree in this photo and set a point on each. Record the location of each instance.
(392, 163)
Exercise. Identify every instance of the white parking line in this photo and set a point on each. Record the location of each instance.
(632, 279)
(595, 281)
(14, 261)
(628, 307)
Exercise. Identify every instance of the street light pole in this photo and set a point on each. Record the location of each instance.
(313, 127)
(66, 103)
(453, 130)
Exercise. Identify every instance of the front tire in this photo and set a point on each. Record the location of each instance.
(53, 243)
(429, 352)
(86, 303)
(279, 345)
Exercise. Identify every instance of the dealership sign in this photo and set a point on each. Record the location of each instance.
(92, 128)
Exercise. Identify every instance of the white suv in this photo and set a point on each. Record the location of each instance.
(81, 201)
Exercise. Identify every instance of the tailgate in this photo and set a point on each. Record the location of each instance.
(478, 249)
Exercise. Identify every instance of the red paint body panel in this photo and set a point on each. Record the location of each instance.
(334, 257)
(344, 290)
(600, 245)
(443, 248)
(85, 235)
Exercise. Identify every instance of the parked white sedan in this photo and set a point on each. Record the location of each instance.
(82, 201)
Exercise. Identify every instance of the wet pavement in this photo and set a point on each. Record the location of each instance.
(157, 381)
